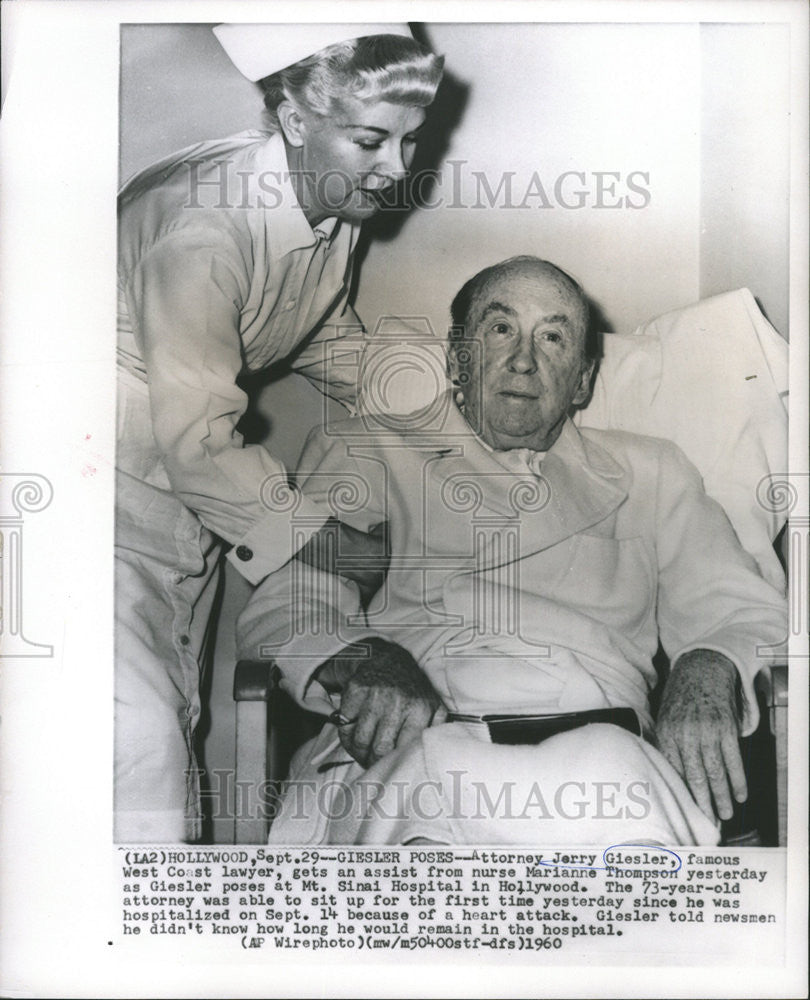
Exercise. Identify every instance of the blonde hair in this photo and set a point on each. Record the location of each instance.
(375, 68)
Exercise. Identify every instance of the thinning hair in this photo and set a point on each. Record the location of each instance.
(462, 304)
(374, 68)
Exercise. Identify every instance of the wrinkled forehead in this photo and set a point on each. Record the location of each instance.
(533, 291)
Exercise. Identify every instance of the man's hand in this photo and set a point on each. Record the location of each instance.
(698, 729)
(385, 697)
(360, 556)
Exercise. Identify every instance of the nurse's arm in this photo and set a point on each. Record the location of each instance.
(332, 360)
(342, 550)
(184, 297)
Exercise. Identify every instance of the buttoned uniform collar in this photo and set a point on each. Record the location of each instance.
(289, 229)
(582, 483)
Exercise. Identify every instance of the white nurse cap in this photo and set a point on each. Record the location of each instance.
(257, 50)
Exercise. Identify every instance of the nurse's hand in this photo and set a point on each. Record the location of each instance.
(386, 699)
(698, 729)
(359, 556)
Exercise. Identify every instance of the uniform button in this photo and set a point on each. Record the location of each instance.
(289, 305)
(244, 553)
(184, 639)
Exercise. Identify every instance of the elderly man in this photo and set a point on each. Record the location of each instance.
(496, 689)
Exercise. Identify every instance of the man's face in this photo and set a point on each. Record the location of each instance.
(527, 365)
(350, 159)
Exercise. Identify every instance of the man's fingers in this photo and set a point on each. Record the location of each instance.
(386, 736)
(362, 736)
(734, 765)
(378, 717)
(708, 766)
(380, 724)
(669, 748)
(411, 730)
(356, 702)
(420, 716)
(697, 780)
(715, 768)
(356, 737)
(346, 737)
(360, 749)
(400, 723)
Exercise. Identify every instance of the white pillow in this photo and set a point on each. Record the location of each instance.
(712, 378)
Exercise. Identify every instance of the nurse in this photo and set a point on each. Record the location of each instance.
(235, 254)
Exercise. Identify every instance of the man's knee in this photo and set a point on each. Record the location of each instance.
(598, 744)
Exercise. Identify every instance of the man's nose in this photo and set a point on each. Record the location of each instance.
(522, 359)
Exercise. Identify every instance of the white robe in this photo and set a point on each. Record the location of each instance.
(515, 593)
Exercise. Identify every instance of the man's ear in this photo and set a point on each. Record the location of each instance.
(453, 368)
(457, 341)
(584, 385)
(292, 124)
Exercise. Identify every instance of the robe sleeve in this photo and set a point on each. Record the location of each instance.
(710, 592)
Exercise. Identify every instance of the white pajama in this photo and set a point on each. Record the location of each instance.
(520, 590)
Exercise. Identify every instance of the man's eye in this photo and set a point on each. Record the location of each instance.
(501, 328)
(553, 336)
(367, 145)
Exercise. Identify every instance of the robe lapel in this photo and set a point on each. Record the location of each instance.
(585, 484)
(580, 484)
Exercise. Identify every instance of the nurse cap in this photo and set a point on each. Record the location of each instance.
(257, 50)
